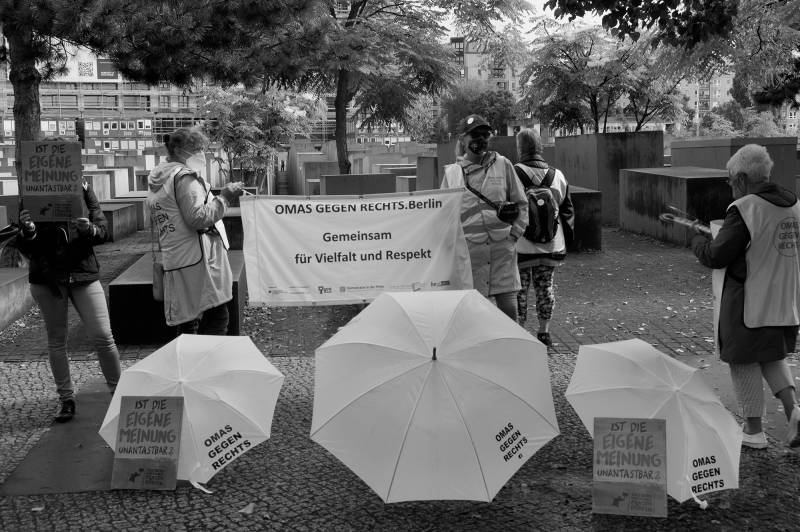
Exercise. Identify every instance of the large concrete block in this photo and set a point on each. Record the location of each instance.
(101, 182)
(708, 152)
(312, 170)
(15, 295)
(406, 183)
(427, 172)
(645, 193)
(136, 318)
(233, 228)
(356, 184)
(121, 219)
(594, 161)
(142, 211)
(588, 206)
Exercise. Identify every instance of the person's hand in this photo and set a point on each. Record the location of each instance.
(26, 222)
(84, 227)
(231, 191)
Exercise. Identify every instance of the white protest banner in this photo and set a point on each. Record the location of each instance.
(331, 250)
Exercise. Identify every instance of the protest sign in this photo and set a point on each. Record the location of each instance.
(331, 250)
(50, 181)
(148, 443)
(630, 467)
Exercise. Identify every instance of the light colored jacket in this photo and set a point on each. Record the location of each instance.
(490, 240)
(197, 273)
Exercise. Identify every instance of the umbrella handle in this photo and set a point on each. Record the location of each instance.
(702, 504)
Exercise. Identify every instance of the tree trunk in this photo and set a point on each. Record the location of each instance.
(25, 81)
(343, 97)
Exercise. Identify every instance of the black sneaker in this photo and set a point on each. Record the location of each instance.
(67, 411)
(544, 337)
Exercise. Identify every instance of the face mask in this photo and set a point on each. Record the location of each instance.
(197, 162)
(478, 146)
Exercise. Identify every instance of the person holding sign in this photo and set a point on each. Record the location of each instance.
(494, 212)
(760, 305)
(198, 282)
(63, 268)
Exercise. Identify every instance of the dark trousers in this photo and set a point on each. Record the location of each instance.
(213, 321)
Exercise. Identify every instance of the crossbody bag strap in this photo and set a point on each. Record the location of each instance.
(474, 191)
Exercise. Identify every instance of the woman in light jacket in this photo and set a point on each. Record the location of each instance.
(490, 240)
(760, 303)
(537, 261)
(198, 282)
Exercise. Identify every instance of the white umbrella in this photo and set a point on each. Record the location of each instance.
(433, 395)
(229, 392)
(632, 379)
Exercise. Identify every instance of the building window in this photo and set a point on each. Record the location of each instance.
(99, 86)
(498, 71)
(133, 86)
(99, 101)
(502, 85)
(183, 102)
(136, 101)
(51, 101)
(163, 102)
(792, 114)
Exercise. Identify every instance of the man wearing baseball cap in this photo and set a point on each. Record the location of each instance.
(492, 197)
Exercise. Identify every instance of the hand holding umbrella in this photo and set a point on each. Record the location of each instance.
(679, 217)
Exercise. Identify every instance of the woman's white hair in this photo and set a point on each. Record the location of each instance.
(752, 160)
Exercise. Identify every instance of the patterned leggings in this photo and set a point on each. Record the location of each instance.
(542, 277)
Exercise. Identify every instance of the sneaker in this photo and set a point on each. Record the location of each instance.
(544, 337)
(754, 441)
(793, 436)
(67, 411)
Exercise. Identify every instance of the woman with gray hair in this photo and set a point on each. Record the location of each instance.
(198, 282)
(760, 303)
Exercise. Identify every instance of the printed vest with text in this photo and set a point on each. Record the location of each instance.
(180, 243)
(772, 286)
(479, 219)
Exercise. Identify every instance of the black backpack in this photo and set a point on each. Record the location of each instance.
(542, 207)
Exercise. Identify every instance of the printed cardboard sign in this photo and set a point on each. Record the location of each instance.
(148, 443)
(630, 467)
(50, 181)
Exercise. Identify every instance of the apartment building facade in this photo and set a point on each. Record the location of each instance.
(93, 102)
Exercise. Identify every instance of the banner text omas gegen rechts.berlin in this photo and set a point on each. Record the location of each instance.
(380, 206)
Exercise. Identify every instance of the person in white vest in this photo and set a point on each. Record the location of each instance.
(760, 305)
(491, 182)
(198, 282)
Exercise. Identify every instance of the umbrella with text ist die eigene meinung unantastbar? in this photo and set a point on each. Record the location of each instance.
(229, 392)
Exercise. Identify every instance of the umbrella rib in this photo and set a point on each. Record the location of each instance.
(503, 388)
(411, 321)
(354, 399)
(471, 439)
(405, 433)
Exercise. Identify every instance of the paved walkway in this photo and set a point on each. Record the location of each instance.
(634, 288)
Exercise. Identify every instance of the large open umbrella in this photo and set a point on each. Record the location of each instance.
(229, 392)
(433, 395)
(632, 379)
